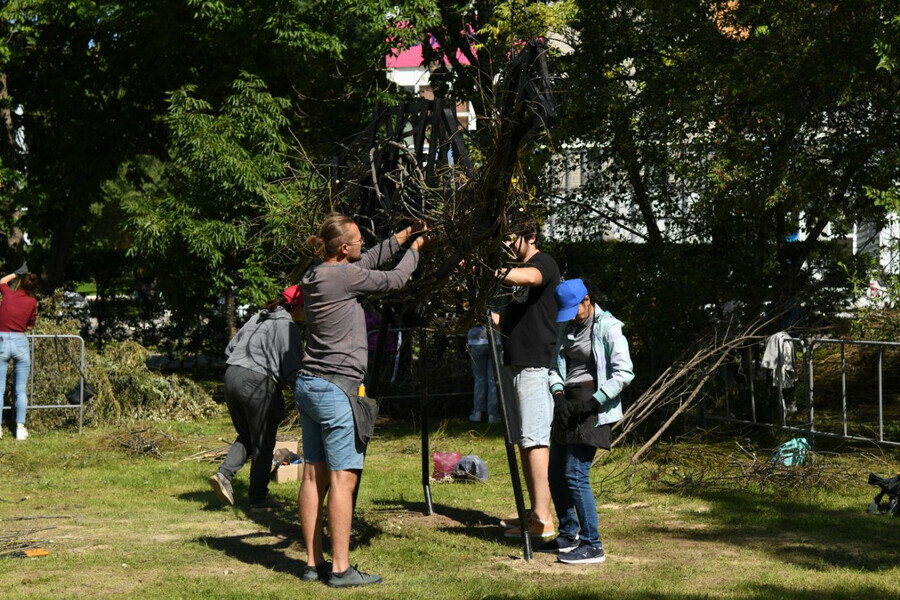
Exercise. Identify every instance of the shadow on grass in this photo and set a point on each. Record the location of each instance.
(243, 548)
(797, 532)
(472, 523)
(282, 521)
(752, 591)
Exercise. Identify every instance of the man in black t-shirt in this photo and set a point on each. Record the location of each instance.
(529, 333)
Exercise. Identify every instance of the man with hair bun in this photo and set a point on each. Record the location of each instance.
(334, 367)
(263, 357)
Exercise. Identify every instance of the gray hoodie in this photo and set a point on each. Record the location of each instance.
(269, 343)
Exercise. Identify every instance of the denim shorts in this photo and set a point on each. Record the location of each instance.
(326, 418)
(529, 405)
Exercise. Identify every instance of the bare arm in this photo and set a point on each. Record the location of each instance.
(8, 278)
(527, 276)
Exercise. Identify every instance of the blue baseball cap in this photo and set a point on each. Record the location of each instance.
(569, 295)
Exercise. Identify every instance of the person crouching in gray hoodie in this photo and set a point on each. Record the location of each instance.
(263, 357)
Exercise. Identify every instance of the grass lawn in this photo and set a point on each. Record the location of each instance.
(137, 526)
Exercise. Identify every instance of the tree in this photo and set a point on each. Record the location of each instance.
(731, 123)
(197, 229)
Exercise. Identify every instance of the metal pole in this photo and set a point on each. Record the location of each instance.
(31, 377)
(752, 384)
(781, 407)
(81, 403)
(510, 446)
(880, 396)
(844, 388)
(810, 391)
(423, 375)
(726, 387)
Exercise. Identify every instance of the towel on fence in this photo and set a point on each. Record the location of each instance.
(779, 358)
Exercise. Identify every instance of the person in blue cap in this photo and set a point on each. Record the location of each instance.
(591, 369)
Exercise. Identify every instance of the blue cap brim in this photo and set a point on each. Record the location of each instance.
(566, 314)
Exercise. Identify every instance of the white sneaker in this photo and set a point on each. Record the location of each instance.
(21, 432)
(475, 417)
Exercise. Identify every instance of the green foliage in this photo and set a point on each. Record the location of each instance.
(728, 125)
(125, 389)
(195, 217)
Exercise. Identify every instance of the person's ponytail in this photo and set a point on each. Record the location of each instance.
(317, 244)
(29, 283)
(331, 235)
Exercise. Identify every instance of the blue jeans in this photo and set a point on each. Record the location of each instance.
(485, 387)
(570, 488)
(14, 347)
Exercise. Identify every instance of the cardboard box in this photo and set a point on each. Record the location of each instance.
(285, 473)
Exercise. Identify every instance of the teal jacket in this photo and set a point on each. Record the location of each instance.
(614, 367)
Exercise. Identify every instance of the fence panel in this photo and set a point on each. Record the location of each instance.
(829, 398)
(57, 363)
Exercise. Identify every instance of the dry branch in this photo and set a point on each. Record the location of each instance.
(683, 383)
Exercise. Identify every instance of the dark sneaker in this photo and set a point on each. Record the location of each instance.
(585, 554)
(353, 577)
(559, 545)
(265, 505)
(317, 573)
(222, 487)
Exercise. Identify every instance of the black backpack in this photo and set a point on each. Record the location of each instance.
(891, 487)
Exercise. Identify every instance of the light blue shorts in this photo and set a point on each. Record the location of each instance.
(529, 404)
(326, 418)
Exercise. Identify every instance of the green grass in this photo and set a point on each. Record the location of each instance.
(150, 528)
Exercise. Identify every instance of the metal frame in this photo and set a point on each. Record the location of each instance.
(807, 347)
(510, 445)
(31, 405)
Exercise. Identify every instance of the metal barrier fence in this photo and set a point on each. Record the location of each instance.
(38, 368)
(829, 413)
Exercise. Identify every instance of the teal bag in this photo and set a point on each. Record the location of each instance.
(792, 453)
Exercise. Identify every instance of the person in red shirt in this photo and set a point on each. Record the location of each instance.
(18, 311)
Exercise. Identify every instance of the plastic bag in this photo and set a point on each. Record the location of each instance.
(792, 453)
(444, 463)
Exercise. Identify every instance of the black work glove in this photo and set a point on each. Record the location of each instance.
(562, 409)
(583, 404)
(22, 270)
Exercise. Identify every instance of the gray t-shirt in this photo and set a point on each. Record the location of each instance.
(336, 340)
(580, 365)
(269, 343)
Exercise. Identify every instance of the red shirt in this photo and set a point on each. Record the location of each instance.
(18, 310)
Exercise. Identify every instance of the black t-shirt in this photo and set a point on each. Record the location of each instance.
(529, 322)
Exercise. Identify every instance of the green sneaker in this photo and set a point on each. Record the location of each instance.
(353, 577)
(317, 573)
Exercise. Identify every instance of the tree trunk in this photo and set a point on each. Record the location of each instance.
(230, 327)
(8, 141)
(14, 237)
(60, 248)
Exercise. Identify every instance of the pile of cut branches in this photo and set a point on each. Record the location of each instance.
(142, 442)
(211, 455)
(14, 541)
(681, 386)
(689, 464)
